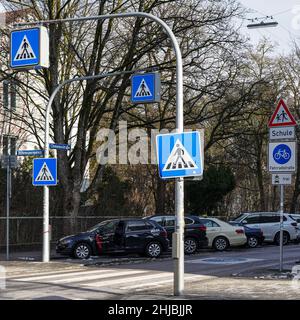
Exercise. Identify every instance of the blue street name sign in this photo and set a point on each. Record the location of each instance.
(30, 152)
(145, 88)
(59, 146)
(44, 172)
(179, 155)
(29, 48)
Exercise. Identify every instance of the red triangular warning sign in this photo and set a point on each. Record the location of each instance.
(282, 116)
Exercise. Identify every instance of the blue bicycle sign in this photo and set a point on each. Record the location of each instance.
(282, 154)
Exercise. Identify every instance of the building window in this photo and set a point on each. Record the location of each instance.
(9, 145)
(9, 95)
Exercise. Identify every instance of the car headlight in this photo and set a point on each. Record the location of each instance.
(66, 241)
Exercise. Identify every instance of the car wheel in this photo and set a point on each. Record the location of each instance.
(190, 245)
(286, 238)
(220, 244)
(252, 242)
(153, 249)
(82, 251)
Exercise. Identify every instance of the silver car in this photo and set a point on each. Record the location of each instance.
(269, 223)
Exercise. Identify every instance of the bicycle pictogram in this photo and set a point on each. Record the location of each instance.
(282, 154)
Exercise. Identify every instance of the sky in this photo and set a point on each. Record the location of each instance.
(285, 12)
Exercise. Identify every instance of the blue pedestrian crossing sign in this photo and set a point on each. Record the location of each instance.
(44, 172)
(179, 155)
(29, 48)
(145, 88)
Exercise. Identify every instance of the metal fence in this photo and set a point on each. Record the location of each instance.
(27, 232)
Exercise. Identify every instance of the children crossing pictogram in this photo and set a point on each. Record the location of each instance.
(44, 174)
(282, 116)
(25, 51)
(179, 159)
(143, 90)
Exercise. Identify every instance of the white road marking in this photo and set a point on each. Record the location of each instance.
(63, 275)
(121, 279)
(223, 261)
(152, 277)
(162, 282)
(39, 274)
(116, 273)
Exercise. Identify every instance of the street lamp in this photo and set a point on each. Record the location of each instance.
(262, 24)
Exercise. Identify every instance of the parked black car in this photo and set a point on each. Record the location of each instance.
(194, 231)
(254, 236)
(116, 236)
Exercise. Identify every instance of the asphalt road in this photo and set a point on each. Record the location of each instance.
(235, 274)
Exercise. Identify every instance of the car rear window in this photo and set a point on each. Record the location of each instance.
(271, 218)
(209, 223)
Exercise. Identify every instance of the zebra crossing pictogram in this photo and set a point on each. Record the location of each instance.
(44, 174)
(143, 90)
(25, 51)
(179, 159)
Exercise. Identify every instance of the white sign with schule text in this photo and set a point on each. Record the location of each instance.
(282, 133)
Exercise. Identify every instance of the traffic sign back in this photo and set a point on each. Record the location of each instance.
(282, 116)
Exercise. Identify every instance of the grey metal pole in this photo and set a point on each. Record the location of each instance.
(281, 228)
(46, 242)
(179, 229)
(7, 207)
(46, 230)
(179, 183)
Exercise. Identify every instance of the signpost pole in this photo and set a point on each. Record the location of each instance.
(46, 243)
(7, 206)
(179, 183)
(281, 227)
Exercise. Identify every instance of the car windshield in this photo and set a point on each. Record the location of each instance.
(295, 218)
(239, 218)
(103, 225)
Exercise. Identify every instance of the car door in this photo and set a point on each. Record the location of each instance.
(212, 230)
(106, 232)
(137, 232)
(269, 225)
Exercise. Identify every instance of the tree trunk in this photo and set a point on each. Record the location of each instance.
(71, 208)
(160, 196)
(260, 181)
